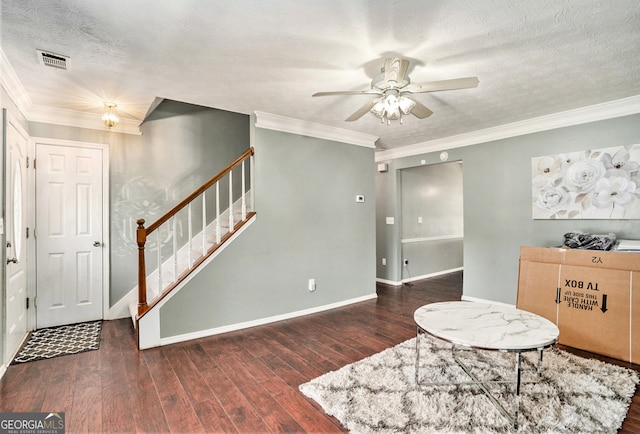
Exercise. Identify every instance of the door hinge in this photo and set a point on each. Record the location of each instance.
(27, 232)
(34, 164)
(27, 303)
(27, 163)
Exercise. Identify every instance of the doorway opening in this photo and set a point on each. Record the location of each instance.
(432, 224)
(71, 220)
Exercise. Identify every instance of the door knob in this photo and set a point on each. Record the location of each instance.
(96, 244)
(14, 260)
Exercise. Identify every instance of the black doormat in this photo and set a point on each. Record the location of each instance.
(60, 341)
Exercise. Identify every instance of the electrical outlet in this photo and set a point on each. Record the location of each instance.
(312, 285)
(384, 261)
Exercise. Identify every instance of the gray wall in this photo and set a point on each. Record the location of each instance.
(183, 146)
(308, 226)
(179, 150)
(497, 203)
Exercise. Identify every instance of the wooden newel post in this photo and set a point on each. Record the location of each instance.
(141, 238)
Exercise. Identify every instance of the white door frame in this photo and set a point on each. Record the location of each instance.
(105, 213)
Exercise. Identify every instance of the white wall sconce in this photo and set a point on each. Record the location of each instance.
(110, 115)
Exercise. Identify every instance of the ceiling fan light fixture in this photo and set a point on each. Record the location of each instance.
(406, 104)
(391, 84)
(378, 108)
(110, 115)
(391, 106)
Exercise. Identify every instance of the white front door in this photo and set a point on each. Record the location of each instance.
(16, 229)
(69, 244)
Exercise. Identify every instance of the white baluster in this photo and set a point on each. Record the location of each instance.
(175, 249)
(231, 201)
(244, 202)
(252, 203)
(204, 223)
(218, 228)
(159, 261)
(190, 231)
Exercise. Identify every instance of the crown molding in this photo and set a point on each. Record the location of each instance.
(311, 129)
(73, 118)
(12, 85)
(49, 115)
(597, 112)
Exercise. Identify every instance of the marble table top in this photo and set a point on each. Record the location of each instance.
(486, 326)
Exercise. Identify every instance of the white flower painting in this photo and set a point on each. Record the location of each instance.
(595, 184)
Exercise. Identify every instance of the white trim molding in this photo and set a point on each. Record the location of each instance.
(598, 112)
(427, 239)
(262, 321)
(413, 279)
(73, 118)
(388, 282)
(311, 129)
(106, 210)
(49, 115)
(437, 273)
(482, 300)
(12, 85)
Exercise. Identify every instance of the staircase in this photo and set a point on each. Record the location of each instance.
(188, 236)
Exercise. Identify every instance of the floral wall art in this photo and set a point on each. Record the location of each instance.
(594, 184)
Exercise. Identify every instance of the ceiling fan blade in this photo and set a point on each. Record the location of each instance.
(420, 111)
(395, 69)
(349, 92)
(362, 111)
(435, 86)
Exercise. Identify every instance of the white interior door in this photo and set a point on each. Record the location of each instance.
(69, 244)
(16, 247)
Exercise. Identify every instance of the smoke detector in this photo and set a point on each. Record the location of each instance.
(53, 60)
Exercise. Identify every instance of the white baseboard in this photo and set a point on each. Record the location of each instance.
(424, 276)
(437, 273)
(482, 300)
(262, 321)
(3, 370)
(388, 282)
(121, 308)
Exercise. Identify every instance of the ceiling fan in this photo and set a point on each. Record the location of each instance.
(391, 89)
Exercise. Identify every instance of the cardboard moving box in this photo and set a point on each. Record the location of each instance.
(592, 296)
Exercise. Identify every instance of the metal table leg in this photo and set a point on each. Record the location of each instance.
(512, 418)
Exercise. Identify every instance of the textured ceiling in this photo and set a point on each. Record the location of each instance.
(532, 57)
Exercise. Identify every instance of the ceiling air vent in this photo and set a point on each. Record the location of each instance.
(53, 60)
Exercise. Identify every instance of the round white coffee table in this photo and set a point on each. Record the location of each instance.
(486, 327)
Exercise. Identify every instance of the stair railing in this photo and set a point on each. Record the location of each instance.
(178, 253)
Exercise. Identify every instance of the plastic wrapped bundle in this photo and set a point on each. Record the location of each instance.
(578, 240)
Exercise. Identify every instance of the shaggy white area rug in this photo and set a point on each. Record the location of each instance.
(379, 393)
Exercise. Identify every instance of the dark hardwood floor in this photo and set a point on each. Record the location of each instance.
(244, 381)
